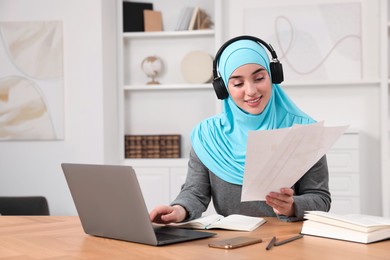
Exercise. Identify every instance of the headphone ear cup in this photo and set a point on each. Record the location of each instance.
(220, 89)
(276, 72)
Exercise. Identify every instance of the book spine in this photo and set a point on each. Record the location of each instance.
(195, 12)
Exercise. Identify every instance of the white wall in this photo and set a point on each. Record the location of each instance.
(33, 167)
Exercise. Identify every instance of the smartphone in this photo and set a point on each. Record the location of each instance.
(235, 242)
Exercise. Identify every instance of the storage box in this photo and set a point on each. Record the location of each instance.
(133, 16)
(152, 146)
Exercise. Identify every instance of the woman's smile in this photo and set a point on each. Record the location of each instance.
(253, 102)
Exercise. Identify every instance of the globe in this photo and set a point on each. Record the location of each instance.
(152, 67)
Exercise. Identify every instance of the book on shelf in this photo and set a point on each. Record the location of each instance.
(215, 221)
(184, 19)
(203, 20)
(350, 227)
(133, 15)
(152, 146)
(194, 16)
(152, 21)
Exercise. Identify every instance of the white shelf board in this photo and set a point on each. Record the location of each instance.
(163, 162)
(352, 83)
(184, 86)
(167, 34)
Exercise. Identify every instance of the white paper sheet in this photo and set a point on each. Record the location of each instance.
(279, 158)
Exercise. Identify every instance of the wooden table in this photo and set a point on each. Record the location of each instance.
(51, 237)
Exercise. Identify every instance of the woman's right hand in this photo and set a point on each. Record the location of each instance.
(168, 214)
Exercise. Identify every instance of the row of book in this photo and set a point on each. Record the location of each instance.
(193, 18)
(187, 18)
(152, 146)
(140, 17)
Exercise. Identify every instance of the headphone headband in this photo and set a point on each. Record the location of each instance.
(276, 70)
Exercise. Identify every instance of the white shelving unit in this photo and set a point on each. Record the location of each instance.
(344, 175)
(139, 110)
(172, 107)
(385, 106)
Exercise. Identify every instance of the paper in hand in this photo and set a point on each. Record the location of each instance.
(279, 158)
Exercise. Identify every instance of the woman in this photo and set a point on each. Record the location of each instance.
(217, 158)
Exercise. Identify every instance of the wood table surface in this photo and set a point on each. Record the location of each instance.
(62, 237)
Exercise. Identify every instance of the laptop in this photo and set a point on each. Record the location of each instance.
(110, 204)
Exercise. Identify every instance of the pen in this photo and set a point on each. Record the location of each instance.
(288, 240)
(271, 243)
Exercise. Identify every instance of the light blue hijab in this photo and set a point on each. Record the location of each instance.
(220, 141)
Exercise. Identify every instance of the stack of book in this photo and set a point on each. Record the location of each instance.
(193, 18)
(187, 17)
(152, 146)
(352, 227)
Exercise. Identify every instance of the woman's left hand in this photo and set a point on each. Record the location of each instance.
(283, 202)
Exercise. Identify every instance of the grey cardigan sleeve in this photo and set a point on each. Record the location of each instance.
(195, 194)
(312, 191)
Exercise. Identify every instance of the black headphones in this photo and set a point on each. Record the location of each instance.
(275, 65)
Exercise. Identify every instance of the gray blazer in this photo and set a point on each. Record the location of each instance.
(311, 193)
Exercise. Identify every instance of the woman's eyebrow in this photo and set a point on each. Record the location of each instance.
(253, 73)
(235, 77)
(257, 71)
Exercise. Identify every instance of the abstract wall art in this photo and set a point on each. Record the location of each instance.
(313, 41)
(31, 81)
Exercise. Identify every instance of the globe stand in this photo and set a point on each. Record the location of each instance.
(153, 82)
(152, 67)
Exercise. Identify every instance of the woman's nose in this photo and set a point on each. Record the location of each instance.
(250, 89)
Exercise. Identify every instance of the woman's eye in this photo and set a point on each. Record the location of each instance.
(237, 84)
(259, 79)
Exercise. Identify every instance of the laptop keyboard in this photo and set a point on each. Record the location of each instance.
(165, 236)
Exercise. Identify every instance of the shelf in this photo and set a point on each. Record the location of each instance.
(163, 162)
(167, 34)
(352, 83)
(184, 86)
